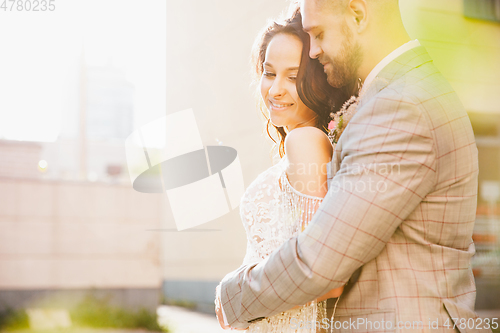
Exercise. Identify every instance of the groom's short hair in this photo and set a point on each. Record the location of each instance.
(332, 4)
(341, 5)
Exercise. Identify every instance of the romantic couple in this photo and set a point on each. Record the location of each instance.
(335, 243)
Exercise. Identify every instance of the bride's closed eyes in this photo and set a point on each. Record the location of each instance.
(292, 77)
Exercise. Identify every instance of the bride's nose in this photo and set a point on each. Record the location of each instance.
(278, 88)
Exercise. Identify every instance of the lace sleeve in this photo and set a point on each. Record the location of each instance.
(298, 208)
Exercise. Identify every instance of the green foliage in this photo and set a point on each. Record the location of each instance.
(13, 320)
(92, 312)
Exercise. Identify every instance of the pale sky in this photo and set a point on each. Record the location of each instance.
(39, 51)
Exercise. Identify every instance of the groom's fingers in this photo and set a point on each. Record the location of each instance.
(218, 313)
(218, 309)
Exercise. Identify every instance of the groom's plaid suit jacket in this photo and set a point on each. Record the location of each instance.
(401, 206)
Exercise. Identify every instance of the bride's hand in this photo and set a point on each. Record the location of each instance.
(334, 293)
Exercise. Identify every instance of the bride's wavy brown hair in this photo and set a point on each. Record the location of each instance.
(312, 85)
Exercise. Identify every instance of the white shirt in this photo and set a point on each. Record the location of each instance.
(393, 55)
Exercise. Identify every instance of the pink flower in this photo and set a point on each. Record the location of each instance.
(332, 124)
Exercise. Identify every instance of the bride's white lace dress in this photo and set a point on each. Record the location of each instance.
(272, 212)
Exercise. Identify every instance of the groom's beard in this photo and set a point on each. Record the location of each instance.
(343, 69)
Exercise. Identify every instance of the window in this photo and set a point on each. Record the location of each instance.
(482, 9)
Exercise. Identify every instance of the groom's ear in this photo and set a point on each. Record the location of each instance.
(357, 12)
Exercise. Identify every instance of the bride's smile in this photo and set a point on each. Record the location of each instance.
(279, 106)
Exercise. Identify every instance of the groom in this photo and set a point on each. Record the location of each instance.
(402, 203)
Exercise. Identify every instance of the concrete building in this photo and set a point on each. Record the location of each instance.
(61, 240)
(105, 160)
(20, 159)
(110, 103)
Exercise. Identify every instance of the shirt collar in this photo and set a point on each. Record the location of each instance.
(393, 55)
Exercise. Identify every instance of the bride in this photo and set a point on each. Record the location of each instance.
(299, 103)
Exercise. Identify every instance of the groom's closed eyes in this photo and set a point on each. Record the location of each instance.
(319, 36)
(311, 30)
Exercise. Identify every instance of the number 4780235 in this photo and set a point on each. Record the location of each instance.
(28, 5)
(472, 323)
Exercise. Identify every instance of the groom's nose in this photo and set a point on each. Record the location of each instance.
(315, 50)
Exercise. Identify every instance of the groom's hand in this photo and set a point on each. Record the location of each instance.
(218, 309)
(218, 313)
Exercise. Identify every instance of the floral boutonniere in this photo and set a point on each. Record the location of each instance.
(341, 118)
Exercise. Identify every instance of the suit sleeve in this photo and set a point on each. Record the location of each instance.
(388, 167)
